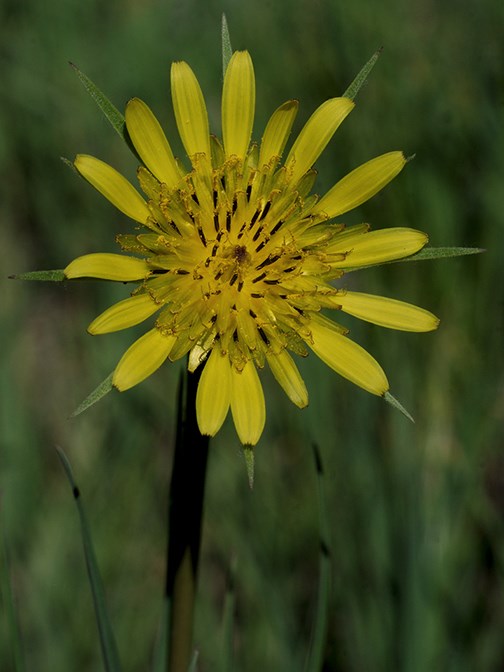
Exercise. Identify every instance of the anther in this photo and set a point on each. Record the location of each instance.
(263, 335)
(276, 227)
(266, 210)
(259, 277)
(257, 234)
(269, 260)
(202, 235)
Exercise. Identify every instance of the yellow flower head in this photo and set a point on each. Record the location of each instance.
(237, 258)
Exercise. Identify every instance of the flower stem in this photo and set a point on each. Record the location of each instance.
(185, 515)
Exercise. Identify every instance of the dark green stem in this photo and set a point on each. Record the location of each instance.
(185, 516)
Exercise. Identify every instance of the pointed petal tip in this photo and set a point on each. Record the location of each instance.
(397, 404)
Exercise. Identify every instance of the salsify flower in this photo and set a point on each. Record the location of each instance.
(237, 258)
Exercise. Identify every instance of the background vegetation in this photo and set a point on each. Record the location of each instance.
(416, 511)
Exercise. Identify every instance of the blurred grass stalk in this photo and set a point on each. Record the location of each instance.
(10, 607)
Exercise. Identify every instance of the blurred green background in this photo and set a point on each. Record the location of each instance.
(416, 511)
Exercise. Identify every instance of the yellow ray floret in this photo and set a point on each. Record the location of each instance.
(347, 358)
(315, 135)
(361, 184)
(387, 312)
(105, 266)
(214, 393)
(376, 247)
(238, 104)
(142, 358)
(247, 404)
(124, 314)
(287, 374)
(113, 186)
(150, 142)
(190, 110)
(277, 132)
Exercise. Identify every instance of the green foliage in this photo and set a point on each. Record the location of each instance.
(416, 511)
(107, 639)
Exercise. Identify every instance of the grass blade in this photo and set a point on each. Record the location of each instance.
(319, 635)
(107, 639)
(194, 662)
(228, 621)
(161, 651)
(10, 609)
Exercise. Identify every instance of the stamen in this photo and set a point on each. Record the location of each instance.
(202, 235)
(259, 277)
(216, 221)
(263, 335)
(257, 234)
(228, 221)
(266, 210)
(233, 279)
(249, 191)
(276, 227)
(254, 218)
(269, 260)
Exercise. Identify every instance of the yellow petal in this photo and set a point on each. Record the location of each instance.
(124, 314)
(190, 110)
(376, 247)
(106, 266)
(213, 395)
(387, 312)
(238, 104)
(113, 186)
(151, 143)
(361, 184)
(346, 357)
(277, 131)
(315, 135)
(247, 404)
(142, 358)
(288, 376)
